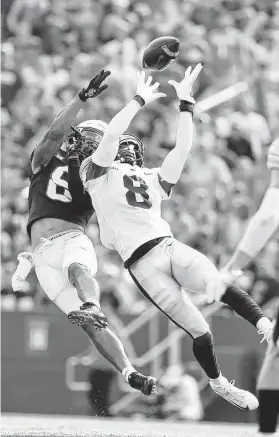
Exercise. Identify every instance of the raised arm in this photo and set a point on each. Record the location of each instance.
(173, 164)
(48, 146)
(108, 148)
(262, 225)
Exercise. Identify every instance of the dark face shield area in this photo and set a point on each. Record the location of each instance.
(86, 142)
(130, 150)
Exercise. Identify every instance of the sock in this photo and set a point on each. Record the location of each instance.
(203, 349)
(268, 410)
(93, 301)
(243, 304)
(127, 372)
(217, 381)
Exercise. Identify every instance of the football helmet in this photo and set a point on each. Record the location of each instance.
(86, 137)
(131, 150)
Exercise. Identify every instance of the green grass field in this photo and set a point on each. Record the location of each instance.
(69, 426)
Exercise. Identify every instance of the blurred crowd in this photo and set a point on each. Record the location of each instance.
(50, 48)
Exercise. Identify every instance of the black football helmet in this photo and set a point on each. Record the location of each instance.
(131, 150)
(84, 144)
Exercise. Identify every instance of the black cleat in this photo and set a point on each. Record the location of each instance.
(145, 384)
(89, 313)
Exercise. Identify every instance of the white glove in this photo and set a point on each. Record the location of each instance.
(24, 266)
(146, 90)
(184, 88)
(230, 276)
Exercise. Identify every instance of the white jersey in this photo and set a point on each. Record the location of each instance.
(127, 200)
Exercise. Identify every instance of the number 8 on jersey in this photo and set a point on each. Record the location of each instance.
(136, 195)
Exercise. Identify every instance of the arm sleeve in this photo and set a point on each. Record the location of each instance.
(76, 188)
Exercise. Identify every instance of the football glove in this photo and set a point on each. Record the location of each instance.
(184, 88)
(24, 266)
(147, 91)
(74, 142)
(94, 88)
(230, 276)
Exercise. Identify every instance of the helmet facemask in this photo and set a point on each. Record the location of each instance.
(131, 150)
(82, 143)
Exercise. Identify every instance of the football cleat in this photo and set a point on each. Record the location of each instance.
(89, 313)
(265, 328)
(242, 399)
(145, 384)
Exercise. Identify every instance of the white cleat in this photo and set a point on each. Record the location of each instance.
(239, 398)
(265, 328)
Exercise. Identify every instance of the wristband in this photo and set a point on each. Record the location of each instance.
(82, 96)
(74, 160)
(139, 100)
(186, 106)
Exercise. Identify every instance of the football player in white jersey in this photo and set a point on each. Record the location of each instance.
(263, 225)
(127, 199)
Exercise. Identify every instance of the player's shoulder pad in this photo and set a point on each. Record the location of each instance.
(273, 155)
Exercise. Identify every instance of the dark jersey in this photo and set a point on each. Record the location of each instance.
(51, 194)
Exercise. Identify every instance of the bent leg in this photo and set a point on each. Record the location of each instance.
(107, 343)
(195, 272)
(87, 286)
(152, 275)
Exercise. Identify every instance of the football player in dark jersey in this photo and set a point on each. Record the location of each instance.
(63, 255)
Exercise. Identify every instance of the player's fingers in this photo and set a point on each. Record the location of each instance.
(101, 89)
(188, 72)
(104, 75)
(139, 77)
(196, 72)
(159, 95)
(149, 80)
(173, 83)
(155, 86)
(142, 77)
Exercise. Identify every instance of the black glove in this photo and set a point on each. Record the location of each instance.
(94, 88)
(73, 143)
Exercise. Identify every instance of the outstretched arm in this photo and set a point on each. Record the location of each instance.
(108, 148)
(174, 162)
(48, 146)
(263, 224)
(260, 229)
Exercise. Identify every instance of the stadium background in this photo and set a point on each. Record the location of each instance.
(49, 50)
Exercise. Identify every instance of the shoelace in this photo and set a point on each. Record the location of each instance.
(267, 334)
(228, 390)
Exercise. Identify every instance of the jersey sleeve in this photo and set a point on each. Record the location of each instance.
(164, 187)
(92, 173)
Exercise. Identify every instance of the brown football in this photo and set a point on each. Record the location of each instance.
(160, 53)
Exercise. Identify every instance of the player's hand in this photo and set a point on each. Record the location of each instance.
(215, 290)
(24, 266)
(94, 87)
(230, 276)
(147, 91)
(74, 142)
(184, 88)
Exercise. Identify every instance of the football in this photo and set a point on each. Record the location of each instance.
(160, 53)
